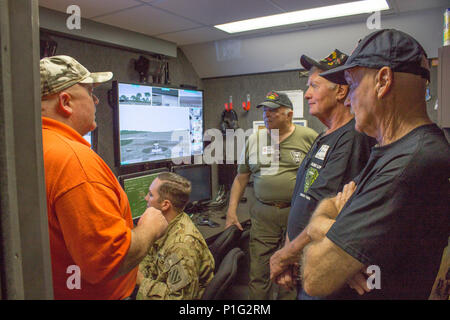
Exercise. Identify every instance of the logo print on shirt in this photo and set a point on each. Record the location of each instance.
(174, 276)
(297, 156)
(267, 150)
(311, 176)
(322, 152)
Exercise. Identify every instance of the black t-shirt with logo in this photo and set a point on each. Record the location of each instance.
(398, 217)
(333, 161)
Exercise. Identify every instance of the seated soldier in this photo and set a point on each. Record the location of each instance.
(179, 265)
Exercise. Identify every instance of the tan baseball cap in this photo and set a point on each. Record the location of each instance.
(61, 72)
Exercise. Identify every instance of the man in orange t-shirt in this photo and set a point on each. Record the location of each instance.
(94, 250)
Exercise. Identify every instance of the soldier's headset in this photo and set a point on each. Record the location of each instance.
(228, 120)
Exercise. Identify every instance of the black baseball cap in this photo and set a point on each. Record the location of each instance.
(386, 47)
(276, 99)
(333, 60)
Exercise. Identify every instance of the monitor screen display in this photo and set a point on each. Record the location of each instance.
(91, 137)
(157, 123)
(136, 187)
(200, 178)
(88, 137)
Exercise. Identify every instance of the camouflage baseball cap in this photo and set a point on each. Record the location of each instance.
(61, 72)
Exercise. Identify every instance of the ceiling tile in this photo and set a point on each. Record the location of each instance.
(90, 8)
(191, 21)
(290, 5)
(413, 5)
(197, 35)
(210, 12)
(147, 20)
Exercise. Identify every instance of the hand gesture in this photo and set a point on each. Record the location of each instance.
(154, 221)
(232, 219)
(359, 282)
(139, 278)
(342, 197)
(276, 265)
(288, 278)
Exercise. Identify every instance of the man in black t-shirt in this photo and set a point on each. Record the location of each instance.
(392, 222)
(336, 157)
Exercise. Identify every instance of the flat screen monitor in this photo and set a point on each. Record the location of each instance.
(136, 187)
(200, 178)
(156, 123)
(88, 137)
(91, 137)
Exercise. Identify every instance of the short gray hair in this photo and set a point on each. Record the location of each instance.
(286, 110)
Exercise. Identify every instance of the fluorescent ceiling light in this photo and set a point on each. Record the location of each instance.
(328, 12)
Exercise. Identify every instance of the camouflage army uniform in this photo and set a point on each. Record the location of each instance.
(178, 266)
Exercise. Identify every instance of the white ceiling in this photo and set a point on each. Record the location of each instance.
(186, 22)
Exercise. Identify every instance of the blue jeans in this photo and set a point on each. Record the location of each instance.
(302, 295)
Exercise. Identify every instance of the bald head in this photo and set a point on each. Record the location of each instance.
(383, 100)
(73, 106)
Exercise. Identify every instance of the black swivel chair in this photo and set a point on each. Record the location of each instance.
(225, 275)
(226, 241)
(239, 289)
